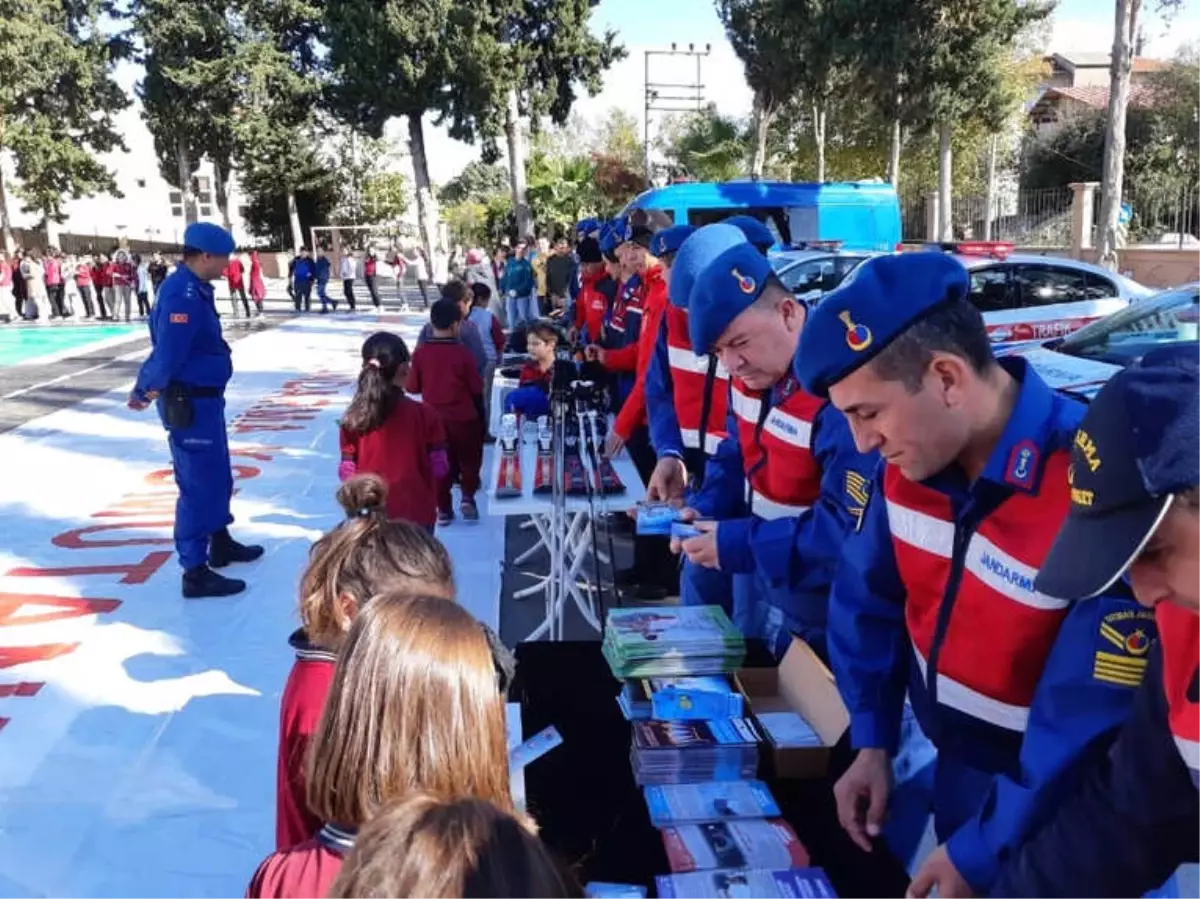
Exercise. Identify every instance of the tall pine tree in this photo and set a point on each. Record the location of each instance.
(57, 102)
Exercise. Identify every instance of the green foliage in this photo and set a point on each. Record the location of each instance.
(58, 99)
(477, 182)
(370, 192)
(769, 48)
(561, 188)
(706, 146)
(384, 198)
(266, 213)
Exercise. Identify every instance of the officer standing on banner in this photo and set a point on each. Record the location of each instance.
(935, 594)
(186, 374)
(777, 495)
(1135, 512)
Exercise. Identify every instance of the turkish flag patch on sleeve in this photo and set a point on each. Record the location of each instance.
(179, 318)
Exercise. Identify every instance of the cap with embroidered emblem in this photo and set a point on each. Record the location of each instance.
(1135, 449)
(668, 241)
(756, 232)
(726, 288)
(208, 238)
(588, 227)
(695, 254)
(635, 231)
(609, 239)
(876, 303)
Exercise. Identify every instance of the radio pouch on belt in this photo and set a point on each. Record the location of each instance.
(178, 411)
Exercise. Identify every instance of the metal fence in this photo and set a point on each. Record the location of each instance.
(1029, 218)
(1162, 215)
(86, 244)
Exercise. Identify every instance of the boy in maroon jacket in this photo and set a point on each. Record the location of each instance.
(445, 374)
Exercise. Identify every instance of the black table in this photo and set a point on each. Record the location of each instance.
(591, 813)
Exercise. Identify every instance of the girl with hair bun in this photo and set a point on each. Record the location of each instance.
(416, 704)
(431, 847)
(365, 555)
(385, 432)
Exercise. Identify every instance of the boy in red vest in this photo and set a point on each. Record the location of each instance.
(1135, 511)
(782, 489)
(935, 595)
(444, 372)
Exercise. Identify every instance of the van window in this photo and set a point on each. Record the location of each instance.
(774, 217)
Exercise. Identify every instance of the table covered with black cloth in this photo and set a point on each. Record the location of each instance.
(592, 814)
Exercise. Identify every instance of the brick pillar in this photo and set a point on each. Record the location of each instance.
(1083, 200)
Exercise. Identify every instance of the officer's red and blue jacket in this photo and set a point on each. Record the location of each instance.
(186, 333)
(687, 396)
(1134, 817)
(597, 293)
(652, 298)
(622, 328)
(786, 484)
(934, 598)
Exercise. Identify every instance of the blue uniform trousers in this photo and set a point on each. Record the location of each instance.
(200, 456)
(700, 586)
(774, 613)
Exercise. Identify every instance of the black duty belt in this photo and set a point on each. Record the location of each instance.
(197, 392)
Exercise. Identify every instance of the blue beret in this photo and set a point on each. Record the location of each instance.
(756, 232)
(694, 256)
(209, 238)
(587, 226)
(726, 288)
(854, 323)
(669, 240)
(608, 238)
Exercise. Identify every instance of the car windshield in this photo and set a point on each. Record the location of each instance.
(814, 273)
(1170, 317)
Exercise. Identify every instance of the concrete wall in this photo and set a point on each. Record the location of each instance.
(1151, 266)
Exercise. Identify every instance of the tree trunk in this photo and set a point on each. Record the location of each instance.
(893, 175)
(426, 213)
(516, 165)
(1112, 179)
(50, 227)
(989, 202)
(221, 188)
(819, 114)
(183, 160)
(945, 181)
(763, 115)
(294, 222)
(10, 243)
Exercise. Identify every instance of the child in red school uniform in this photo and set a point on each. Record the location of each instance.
(364, 555)
(392, 435)
(445, 373)
(416, 703)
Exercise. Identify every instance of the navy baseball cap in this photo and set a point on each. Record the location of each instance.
(695, 254)
(728, 286)
(588, 227)
(756, 232)
(881, 299)
(667, 242)
(1136, 448)
(208, 238)
(609, 240)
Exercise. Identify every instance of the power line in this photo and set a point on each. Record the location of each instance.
(680, 97)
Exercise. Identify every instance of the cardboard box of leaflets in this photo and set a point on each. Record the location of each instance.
(804, 685)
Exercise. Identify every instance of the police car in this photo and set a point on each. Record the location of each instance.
(813, 268)
(1081, 362)
(1025, 297)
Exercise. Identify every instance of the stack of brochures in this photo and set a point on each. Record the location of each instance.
(680, 752)
(680, 699)
(788, 729)
(753, 843)
(672, 642)
(759, 883)
(674, 804)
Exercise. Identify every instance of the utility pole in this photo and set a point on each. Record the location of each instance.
(690, 93)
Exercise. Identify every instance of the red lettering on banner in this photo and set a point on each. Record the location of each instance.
(73, 539)
(22, 690)
(66, 606)
(23, 655)
(163, 476)
(137, 573)
(152, 504)
(258, 453)
(249, 429)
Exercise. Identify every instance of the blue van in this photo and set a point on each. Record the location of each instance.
(863, 215)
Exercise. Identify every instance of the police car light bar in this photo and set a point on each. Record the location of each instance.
(992, 249)
(831, 246)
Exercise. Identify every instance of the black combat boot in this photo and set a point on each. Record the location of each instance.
(201, 582)
(223, 550)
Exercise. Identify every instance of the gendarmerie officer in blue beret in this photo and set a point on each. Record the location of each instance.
(936, 594)
(1135, 512)
(186, 374)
